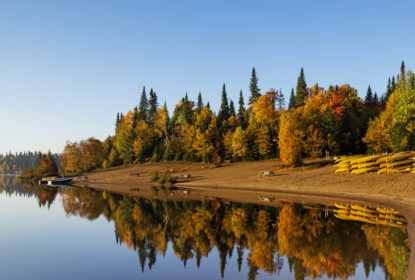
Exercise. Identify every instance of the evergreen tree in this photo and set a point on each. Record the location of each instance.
(208, 105)
(153, 106)
(280, 100)
(241, 109)
(199, 102)
(223, 114)
(301, 94)
(292, 100)
(375, 99)
(117, 121)
(143, 106)
(369, 96)
(402, 70)
(388, 88)
(231, 108)
(393, 83)
(253, 86)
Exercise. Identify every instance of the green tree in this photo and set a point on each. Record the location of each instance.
(224, 112)
(253, 87)
(291, 104)
(301, 94)
(241, 109)
(369, 96)
(143, 106)
(153, 106)
(231, 108)
(199, 104)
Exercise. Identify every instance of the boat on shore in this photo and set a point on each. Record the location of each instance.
(52, 181)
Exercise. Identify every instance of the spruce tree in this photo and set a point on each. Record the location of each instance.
(224, 107)
(393, 83)
(253, 87)
(280, 100)
(301, 94)
(117, 121)
(375, 98)
(208, 105)
(291, 104)
(231, 108)
(369, 96)
(199, 102)
(153, 106)
(143, 106)
(388, 89)
(241, 109)
(402, 70)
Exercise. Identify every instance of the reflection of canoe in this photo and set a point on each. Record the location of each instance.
(364, 214)
(388, 211)
(392, 217)
(342, 206)
(362, 208)
(376, 221)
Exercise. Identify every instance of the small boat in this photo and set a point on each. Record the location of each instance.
(51, 181)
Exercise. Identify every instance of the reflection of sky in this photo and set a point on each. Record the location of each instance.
(42, 243)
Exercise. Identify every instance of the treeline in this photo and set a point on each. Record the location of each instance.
(46, 165)
(318, 121)
(18, 162)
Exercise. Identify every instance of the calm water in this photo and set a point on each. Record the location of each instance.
(76, 233)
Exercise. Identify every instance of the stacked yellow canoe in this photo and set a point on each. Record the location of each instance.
(359, 164)
(397, 163)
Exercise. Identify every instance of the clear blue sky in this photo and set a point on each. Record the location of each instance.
(67, 67)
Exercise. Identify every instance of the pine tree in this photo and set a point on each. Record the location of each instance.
(241, 109)
(292, 99)
(402, 70)
(301, 94)
(280, 100)
(224, 107)
(253, 86)
(208, 105)
(369, 96)
(143, 106)
(199, 102)
(117, 121)
(388, 88)
(393, 83)
(231, 108)
(375, 98)
(153, 106)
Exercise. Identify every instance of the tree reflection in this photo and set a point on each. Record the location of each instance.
(314, 244)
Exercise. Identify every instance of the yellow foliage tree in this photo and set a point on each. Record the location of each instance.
(290, 139)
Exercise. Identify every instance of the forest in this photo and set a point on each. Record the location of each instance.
(17, 163)
(314, 122)
(315, 244)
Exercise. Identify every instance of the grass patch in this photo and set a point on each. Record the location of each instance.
(164, 179)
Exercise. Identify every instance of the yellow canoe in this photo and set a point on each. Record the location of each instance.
(382, 170)
(398, 163)
(365, 170)
(399, 156)
(367, 159)
(388, 211)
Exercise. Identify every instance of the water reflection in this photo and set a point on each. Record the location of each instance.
(306, 239)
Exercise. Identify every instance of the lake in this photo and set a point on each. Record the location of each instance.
(80, 233)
